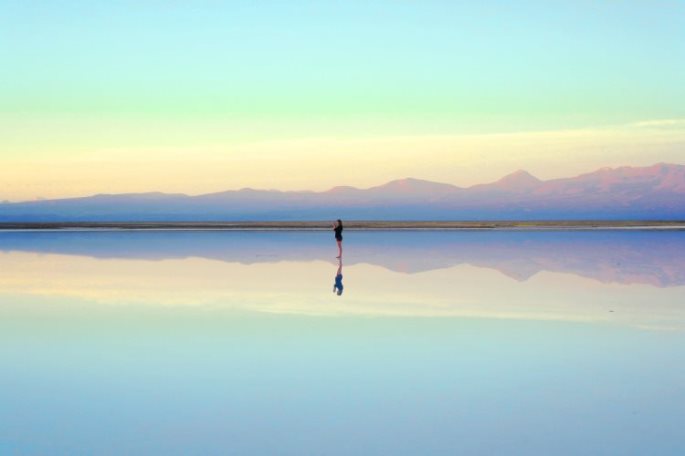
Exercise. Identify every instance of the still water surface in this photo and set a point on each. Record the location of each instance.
(505, 342)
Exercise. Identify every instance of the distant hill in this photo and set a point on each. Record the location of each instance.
(639, 193)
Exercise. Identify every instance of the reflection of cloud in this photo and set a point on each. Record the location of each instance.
(303, 288)
(576, 276)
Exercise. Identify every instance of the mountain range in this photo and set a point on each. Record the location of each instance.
(638, 193)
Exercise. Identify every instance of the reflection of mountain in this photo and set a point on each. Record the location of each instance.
(649, 193)
(647, 257)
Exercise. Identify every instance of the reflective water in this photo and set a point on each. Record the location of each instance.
(505, 342)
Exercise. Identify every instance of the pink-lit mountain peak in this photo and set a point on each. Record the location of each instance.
(518, 180)
(411, 185)
(655, 171)
(623, 183)
(343, 191)
(662, 176)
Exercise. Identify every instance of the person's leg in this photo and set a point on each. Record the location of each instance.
(339, 249)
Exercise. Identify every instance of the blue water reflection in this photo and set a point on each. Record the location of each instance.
(442, 343)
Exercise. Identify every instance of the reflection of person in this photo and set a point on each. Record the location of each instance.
(338, 286)
(338, 228)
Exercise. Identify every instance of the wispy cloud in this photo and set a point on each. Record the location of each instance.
(660, 123)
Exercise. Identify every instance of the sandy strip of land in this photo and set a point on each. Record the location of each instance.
(354, 225)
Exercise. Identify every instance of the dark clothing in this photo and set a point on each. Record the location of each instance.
(338, 233)
(338, 282)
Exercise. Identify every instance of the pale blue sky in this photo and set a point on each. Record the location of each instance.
(530, 63)
(84, 79)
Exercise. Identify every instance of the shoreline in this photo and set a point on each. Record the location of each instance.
(351, 225)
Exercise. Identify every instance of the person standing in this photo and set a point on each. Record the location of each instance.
(338, 228)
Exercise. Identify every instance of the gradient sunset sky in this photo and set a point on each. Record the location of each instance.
(201, 96)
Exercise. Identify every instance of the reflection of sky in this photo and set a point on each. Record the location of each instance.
(655, 258)
(601, 277)
(90, 379)
(121, 351)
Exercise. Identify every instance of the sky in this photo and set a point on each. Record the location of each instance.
(201, 96)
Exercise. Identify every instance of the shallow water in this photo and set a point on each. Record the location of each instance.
(507, 342)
